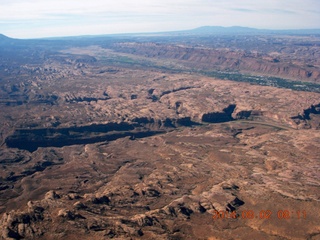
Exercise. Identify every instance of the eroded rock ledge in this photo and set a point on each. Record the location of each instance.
(310, 118)
(31, 139)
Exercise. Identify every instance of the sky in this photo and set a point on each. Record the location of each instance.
(51, 18)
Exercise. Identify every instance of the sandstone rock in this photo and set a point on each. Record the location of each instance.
(51, 195)
(79, 205)
(75, 124)
(66, 214)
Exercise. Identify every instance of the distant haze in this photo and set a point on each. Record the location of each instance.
(49, 18)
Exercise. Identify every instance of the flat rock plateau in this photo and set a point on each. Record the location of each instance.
(160, 137)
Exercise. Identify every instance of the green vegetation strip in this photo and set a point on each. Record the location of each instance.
(238, 77)
(265, 81)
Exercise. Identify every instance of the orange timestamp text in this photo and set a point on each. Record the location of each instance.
(263, 214)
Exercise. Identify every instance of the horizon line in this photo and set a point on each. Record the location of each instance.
(169, 31)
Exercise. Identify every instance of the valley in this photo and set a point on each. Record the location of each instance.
(147, 136)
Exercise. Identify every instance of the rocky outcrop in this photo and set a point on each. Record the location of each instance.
(73, 98)
(243, 115)
(248, 114)
(218, 117)
(174, 90)
(22, 225)
(89, 214)
(310, 118)
(314, 109)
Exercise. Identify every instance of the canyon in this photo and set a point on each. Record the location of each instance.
(160, 136)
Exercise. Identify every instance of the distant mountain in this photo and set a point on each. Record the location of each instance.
(218, 30)
(229, 30)
(245, 30)
(4, 39)
(204, 30)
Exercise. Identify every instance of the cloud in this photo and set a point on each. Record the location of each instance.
(57, 17)
(242, 9)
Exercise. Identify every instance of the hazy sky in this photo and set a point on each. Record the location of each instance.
(42, 18)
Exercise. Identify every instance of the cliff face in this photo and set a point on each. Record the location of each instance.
(224, 59)
(218, 117)
(31, 139)
(310, 118)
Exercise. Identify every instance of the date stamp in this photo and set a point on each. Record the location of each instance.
(262, 214)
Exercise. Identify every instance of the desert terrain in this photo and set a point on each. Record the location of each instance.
(168, 136)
